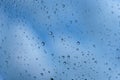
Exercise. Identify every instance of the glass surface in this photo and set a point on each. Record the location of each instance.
(59, 39)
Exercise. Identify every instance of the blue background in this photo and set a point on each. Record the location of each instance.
(59, 40)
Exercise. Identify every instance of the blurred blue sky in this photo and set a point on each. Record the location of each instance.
(59, 39)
